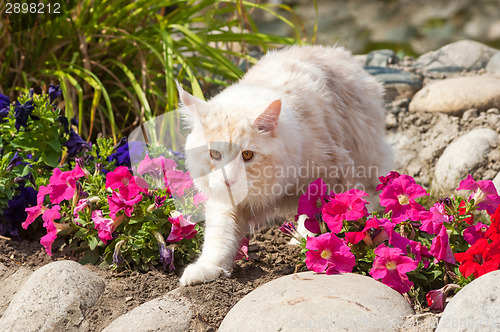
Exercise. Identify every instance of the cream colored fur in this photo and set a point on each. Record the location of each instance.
(331, 118)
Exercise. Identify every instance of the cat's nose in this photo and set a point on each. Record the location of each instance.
(229, 183)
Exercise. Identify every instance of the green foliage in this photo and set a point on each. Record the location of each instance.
(116, 61)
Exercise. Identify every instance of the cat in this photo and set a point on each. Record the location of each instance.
(298, 114)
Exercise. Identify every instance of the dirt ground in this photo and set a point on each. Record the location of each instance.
(270, 257)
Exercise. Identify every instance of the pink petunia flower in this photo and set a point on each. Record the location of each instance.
(121, 179)
(118, 202)
(385, 180)
(311, 204)
(105, 226)
(440, 247)
(435, 299)
(52, 227)
(374, 232)
(345, 206)
(80, 206)
(475, 232)
(391, 265)
(420, 251)
(156, 165)
(328, 252)
(484, 193)
(432, 220)
(36, 211)
(63, 184)
(399, 197)
(199, 198)
(178, 181)
(182, 228)
(242, 252)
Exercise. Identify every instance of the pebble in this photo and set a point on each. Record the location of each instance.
(170, 312)
(456, 95)
(463, 55)
(470, 114)
(493, 66)
(398, 84)
(461, 156)
(54, 298)
(475, 307)
(309, 301)
(381, 58)
(11, 285)
(496, 182)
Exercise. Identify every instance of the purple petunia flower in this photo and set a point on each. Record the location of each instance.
(76, 144)
(54, 92)
(4, 106)
(15, 213)
(23, 112)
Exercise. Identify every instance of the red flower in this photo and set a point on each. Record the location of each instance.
(481, 258)
(493, 233)
(461, 211)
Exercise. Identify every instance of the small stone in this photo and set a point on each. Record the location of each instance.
(464, 154)
(170, 312)
(398, 84)
(381, 58)
(128, 298)
(54, 298)
(456, 95)
(493, 66)
(456, 57)
(494, 111)
(319, 302)
(391, 121)
(496, 182)
(469, 114)
(475, 307)
(426, 322)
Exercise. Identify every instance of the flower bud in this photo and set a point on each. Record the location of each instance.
(94, 199)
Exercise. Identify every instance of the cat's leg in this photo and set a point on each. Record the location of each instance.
(222, 236)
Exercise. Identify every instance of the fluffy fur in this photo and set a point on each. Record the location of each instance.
(304, 112)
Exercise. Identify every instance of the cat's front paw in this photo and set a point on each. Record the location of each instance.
(199, 273)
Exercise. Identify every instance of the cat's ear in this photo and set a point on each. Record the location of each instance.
(267, 121)
(188, 100)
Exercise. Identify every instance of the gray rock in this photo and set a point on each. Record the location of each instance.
(462, 156)
(493, 66)
(475, 307)
(456, 57)
(170, 312)
(319, 302)
(426, 322)
(470, 114)
(381, 58)
(11, 285)
(397, 83)
(54, 298)
(456, 95)
(496, 182)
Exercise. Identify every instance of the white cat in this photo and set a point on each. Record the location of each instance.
(299, 114)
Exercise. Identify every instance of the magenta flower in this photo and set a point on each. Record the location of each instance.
(105, 226)
(436, 299)
(399, 197)
(122, 200)
(345, 206)
(311, 204)
(199, 198)
(242, 252)
(391, 265)
(328, 252)
(434, 219)
(36, 211)
(374, 232)
(121, 178)
(385, 180)
(440, 247)
(475, 232)
(63, 184)
(178, 181)
(80, 206)
(182, 228)
(484, 193)
(52, 227)
(156, 165)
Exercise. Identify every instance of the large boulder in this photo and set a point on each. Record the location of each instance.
(475, 307)
(319, 302)
(456, 95)
(54, 298)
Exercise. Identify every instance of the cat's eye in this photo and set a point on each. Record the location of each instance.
(215, 155)
(247, 155)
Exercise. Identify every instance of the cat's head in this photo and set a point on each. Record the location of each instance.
(233, 148)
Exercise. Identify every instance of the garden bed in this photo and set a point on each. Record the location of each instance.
(270, 257)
